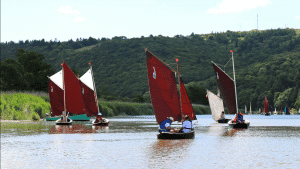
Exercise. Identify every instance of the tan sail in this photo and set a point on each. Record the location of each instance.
(215, 104)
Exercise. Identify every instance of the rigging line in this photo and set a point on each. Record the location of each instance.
(226, 64)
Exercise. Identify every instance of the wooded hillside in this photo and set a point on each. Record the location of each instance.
(266, 62)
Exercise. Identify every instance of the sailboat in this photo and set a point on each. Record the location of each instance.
(89, 96)
(266, 107)
(56, 95)
(164, 97)
(72, 97)
(216, 107)
(227, 86)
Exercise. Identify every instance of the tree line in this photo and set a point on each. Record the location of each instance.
(266, 63)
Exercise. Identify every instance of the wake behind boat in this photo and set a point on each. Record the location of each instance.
(164, 97)
(227, 87)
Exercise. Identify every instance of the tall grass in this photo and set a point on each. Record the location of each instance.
(23, 106)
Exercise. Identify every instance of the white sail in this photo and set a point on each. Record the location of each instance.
(87, 79)
(57, 79)
(215, 104)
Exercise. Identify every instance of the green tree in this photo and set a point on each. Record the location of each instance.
(35, 69)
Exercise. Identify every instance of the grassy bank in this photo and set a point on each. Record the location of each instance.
(23, 106)
(28, 105)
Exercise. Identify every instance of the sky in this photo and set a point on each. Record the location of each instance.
(72, 19)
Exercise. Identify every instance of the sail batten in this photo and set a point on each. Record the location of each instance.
(227, 89)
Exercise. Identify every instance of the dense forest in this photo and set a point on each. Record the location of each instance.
(267, 63)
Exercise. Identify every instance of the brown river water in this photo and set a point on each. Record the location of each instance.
(269, 142)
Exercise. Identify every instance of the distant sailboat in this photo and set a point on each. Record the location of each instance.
(266, 107)
(89, 95)
(216, 107)
(227, 86)
(164, 97)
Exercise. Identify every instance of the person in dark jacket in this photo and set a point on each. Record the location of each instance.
(165, 126)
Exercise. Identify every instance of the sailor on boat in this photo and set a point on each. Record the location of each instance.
(165, 126)
(222, 116)
(98, 118)
(239, 118)
(187, 125)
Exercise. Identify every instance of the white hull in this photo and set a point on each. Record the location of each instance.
(59, 121)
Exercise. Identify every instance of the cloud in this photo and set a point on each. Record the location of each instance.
(297, 17)
(235, 6)
(79, 19)
(68, 10)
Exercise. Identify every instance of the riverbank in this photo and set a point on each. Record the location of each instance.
(34, 106)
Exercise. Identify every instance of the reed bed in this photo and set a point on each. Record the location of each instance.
(23, 106)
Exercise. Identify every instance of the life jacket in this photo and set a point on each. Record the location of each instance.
(163, 127)
(240, 117)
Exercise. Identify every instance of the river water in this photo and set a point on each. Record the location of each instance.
(269, 142)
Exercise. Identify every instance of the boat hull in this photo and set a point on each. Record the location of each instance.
(59, 122)
(81, 117)
(104, 123)
(245, 124)
(225, 121)
(169, 135)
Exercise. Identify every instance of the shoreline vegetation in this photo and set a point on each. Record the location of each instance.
(33, 106)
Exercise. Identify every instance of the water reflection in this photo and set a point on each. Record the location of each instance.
(232, 132)
(77, 128)
(166, 152)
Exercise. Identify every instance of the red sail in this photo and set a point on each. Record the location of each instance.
(89, 100)
(73, 97)
(226, 86)
(187, 108)
(56, 95)
(266, 106)
(163, 90)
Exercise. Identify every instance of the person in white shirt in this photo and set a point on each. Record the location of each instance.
(187, 125)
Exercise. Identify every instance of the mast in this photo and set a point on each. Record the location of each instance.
(95, 93)
(177, 61)
(65, 108)
(237, 110)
